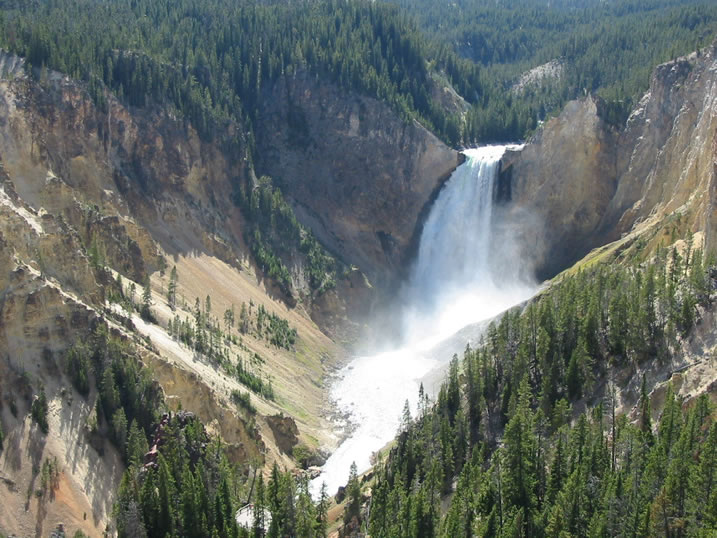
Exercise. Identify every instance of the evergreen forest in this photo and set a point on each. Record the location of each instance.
(525, 437)
(212, 61)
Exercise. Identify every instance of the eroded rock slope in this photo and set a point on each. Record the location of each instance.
(97, 199)
(593, 183)
(357, 173)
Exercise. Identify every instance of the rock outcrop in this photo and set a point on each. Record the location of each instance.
(666, 153)
(590, 183)
(357, 174)
(564, 179)
(285, 432)
(71, 158)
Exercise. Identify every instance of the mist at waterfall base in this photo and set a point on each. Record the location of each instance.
(468, 269)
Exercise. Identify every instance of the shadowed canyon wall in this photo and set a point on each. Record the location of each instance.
(357, 173)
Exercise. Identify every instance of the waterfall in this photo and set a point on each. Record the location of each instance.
(466, 265)
(455, 245)
(467, 270)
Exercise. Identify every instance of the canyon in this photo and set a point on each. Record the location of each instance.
(143, 185)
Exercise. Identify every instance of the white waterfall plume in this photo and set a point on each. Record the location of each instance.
(467, 270)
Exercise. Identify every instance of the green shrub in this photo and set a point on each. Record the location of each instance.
(243, 401)
(39, 411)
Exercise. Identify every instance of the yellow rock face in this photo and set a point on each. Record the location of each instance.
(589, 183)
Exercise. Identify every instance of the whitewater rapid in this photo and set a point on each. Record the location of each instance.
(464, 273)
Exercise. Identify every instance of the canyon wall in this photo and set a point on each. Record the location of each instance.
(356, 172)
(91, 191)
(591, 183)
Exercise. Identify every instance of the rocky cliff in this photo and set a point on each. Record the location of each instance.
(89, 193)
(97, 198)
(358, 174)
(591, 183)
(565, 177)
(666, 153)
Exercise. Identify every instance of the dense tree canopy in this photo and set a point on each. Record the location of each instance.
(211, 60)
(503, 441)
(608, 47)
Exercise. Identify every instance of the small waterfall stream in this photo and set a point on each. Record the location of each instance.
(464, 273)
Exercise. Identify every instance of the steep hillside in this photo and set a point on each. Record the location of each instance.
(361, 176)
(653, 178)
(590, 410)
(83, 191)
(69, 212)
(99, 199)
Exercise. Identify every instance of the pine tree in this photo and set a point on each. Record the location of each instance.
(322, 509)
(167, 492)
(119, 429)
(191, 515)
(136, 445)
(645, 409)
(151, 505)
(573, 380)
(229, 319)
(406, 419)
(202, 500)
(146, 310)
(259, 527)
(702, 500)
(518, 465)
(243, 319)
(172, 288)
(109, 395)
(557, 472)
(39, 410)
(617, 327)
(306, 522)
(353, 493)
